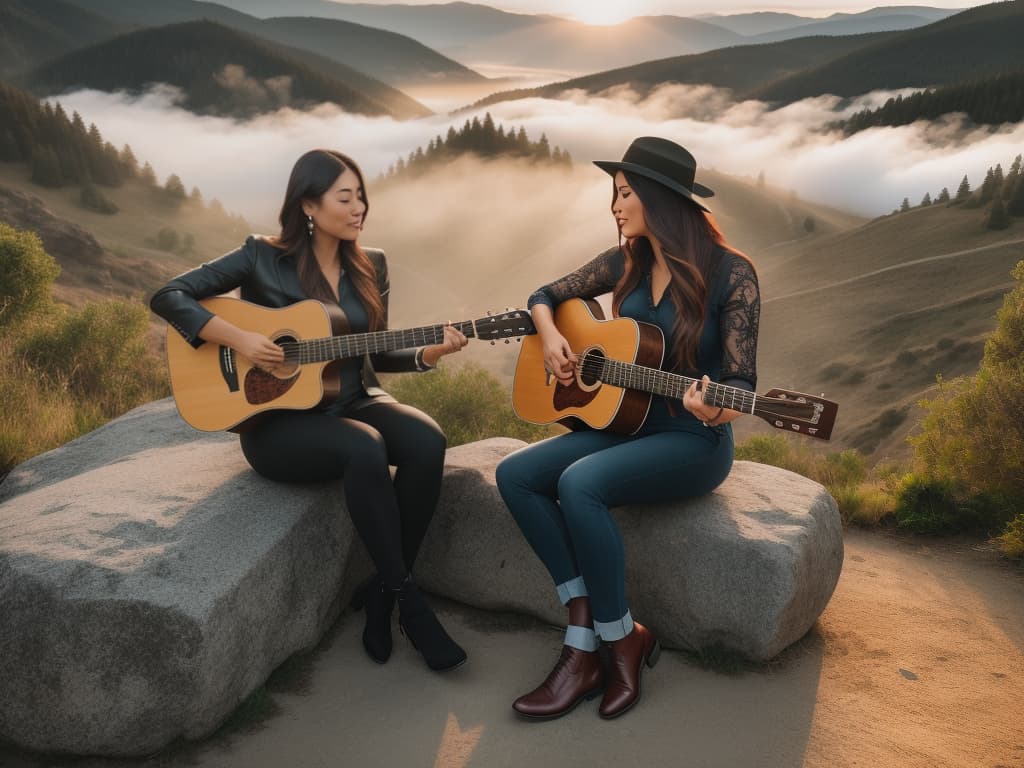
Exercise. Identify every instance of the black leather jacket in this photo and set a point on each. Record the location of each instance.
(267, 277)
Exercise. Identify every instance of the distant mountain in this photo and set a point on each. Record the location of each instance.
(442, 27)
(849, 24)
(741, 68)
(766, 27)
(978, 42)
(221, 71)
(758, 23)
(393, 58)
(32, 31)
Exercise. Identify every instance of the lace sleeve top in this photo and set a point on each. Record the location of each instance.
(727, 351)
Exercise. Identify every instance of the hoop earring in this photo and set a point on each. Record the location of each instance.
(309, 225)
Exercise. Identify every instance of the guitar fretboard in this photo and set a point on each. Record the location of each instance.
(674, 385)
(359, 344)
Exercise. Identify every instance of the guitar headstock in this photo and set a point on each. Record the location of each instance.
(797, 412)
(510, 324)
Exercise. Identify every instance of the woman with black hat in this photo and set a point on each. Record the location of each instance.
(672, 268)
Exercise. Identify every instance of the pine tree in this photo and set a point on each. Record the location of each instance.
(1015, 207)
(196, 196)
(943, 196)
(46, 168)
(174, 187)
(147, 175)
(964, 191)
(129, 165)
(926, 200)
(998, 218)
(905, 205)
(988, 187)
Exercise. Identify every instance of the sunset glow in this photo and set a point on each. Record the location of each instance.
(600, 13)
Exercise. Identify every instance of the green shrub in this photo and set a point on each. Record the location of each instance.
(99, 353)
(1011, 541)
(928, 505)
(468, 402)
(26, 274)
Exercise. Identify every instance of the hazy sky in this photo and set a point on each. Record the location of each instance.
(601, 11)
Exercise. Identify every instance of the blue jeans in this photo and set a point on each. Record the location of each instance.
(560, 490)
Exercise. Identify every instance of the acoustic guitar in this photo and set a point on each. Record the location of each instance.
(215, 388)
(619, 370)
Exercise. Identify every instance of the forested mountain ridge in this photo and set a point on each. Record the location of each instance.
(220, 71)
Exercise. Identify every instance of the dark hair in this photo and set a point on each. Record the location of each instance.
(691, 243)
(312, 176)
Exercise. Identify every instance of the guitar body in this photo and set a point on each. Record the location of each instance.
(216, 389)
(539, 398)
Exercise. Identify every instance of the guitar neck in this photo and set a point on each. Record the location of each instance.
(359, 344)
(674, 385)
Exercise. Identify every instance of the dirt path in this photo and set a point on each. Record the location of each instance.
(901, 265)
(917, 661)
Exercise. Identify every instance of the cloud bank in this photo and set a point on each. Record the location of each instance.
(245, 164)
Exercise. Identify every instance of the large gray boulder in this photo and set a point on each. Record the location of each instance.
(746, 569)
(150, 580)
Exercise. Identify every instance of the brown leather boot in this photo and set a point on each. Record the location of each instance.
(577, 675)
(625, 661)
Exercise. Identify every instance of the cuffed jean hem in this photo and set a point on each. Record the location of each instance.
(581, 637)
(614, 630)
(567, 590)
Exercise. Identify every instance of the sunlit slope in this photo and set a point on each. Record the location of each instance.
(205, 60)
(130, 263)
(870, 316)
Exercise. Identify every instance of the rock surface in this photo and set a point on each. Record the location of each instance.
(150, 580)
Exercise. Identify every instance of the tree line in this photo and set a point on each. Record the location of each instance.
(481, 138)
(989, 101)
(62, 151)
(1003, 194)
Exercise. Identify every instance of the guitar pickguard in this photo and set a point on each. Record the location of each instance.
(262, 387)
(571, 396)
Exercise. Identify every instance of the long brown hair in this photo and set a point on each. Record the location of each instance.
(312, 176)
(690, 242)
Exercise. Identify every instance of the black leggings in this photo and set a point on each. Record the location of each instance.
(391, 516)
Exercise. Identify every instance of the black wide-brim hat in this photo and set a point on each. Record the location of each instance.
(663, 161)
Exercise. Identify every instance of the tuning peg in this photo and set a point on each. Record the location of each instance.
(506, 341)
(492, 342)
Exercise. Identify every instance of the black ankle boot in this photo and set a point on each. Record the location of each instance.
(417, 621)
(379, 602)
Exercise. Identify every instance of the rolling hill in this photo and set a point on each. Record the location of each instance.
(32, 31)
(765, 23)
(741, 68)
(393, 58)
(978, 42)
(220, 71)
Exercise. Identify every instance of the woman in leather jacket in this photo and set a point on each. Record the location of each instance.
(357, 437)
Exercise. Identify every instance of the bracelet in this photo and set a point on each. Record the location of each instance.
(421, 365)
(713, 418)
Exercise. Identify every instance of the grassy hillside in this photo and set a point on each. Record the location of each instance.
(741, 68)
(871, 315)
(978, 42)
(128, 261)
(220, 71)
(32, 31)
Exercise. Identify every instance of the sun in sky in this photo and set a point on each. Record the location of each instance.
(600, 12)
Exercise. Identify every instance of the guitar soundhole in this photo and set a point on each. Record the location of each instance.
(590, 368)
(266, 386)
